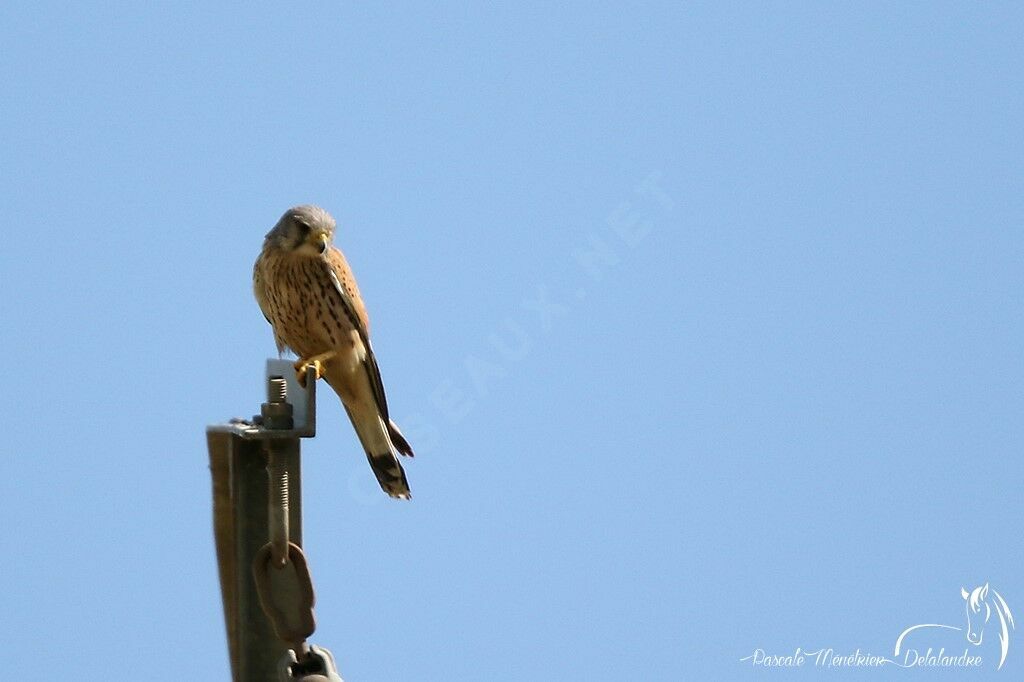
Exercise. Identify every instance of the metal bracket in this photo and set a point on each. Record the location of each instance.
(238, 466)
(303, 409)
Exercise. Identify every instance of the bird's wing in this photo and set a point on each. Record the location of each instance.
(259, 289)
(345, 284)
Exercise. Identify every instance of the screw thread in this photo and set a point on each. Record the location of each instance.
(278, 484)
(277, 390)
(277, 508)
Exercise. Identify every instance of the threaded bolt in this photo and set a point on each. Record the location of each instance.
(278, 483)
(277, 390)
(277, 411)
(277, 507)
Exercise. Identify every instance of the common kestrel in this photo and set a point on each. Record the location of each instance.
(308, 294)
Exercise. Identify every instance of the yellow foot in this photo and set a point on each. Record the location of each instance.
(300, 371)
(316, 362)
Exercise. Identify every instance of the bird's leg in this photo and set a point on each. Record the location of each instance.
(316, 361)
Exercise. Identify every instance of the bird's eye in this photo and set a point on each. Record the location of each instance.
(301, 233)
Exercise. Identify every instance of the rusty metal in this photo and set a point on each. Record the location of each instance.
(277, 414)
(286, 594)
(278, 500)
(241, 516)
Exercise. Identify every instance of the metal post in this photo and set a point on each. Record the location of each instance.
(239, 454)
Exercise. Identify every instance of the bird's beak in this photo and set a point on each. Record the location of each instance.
(320, 240)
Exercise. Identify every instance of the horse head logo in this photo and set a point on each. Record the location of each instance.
(980, 604)
(976, 605)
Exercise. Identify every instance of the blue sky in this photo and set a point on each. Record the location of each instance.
(705, 321)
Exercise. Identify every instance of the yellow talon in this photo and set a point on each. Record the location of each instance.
(300, 371)
(316, 362)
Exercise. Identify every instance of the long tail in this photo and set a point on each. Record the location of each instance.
(380, 453)
(362, 394)
(390, 475)
(398, 440)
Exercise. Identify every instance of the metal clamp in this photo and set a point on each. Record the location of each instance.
(255, 466)
(286, 593)
(317, 665)
(304, 411)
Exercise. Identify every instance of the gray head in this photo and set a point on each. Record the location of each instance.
(305, 230)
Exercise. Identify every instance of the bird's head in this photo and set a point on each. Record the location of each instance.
(303, 230)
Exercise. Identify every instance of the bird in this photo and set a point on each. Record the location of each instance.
(306, 290)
